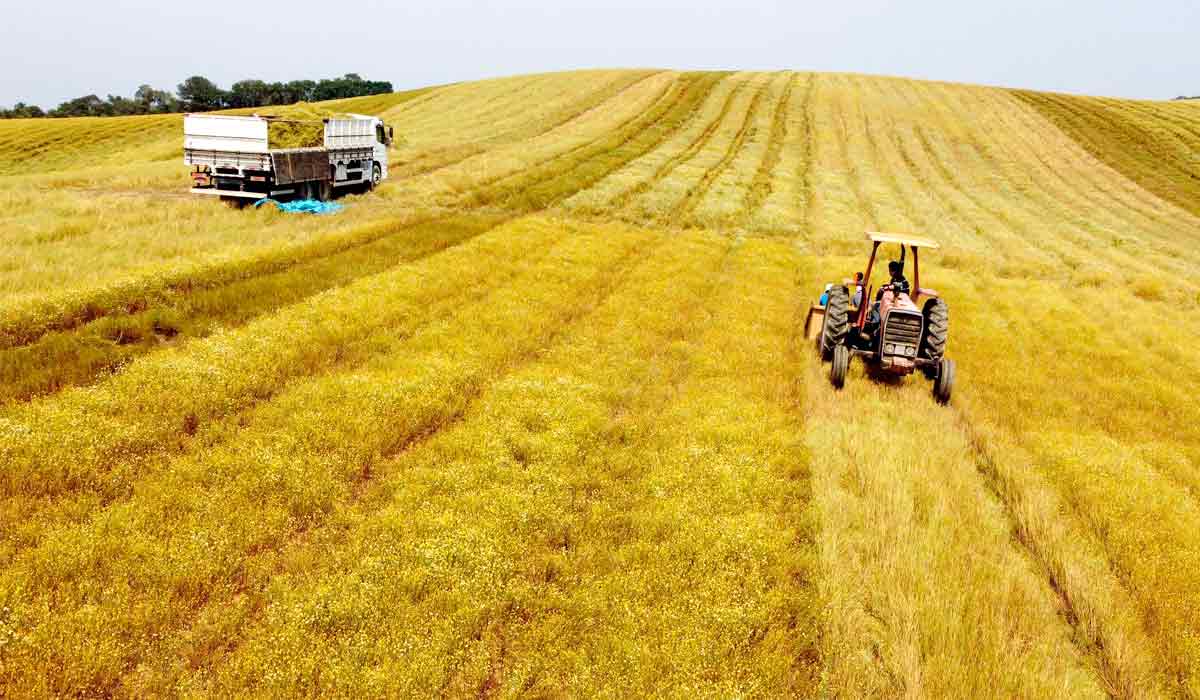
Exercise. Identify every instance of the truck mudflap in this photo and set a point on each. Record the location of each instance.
(300, 165)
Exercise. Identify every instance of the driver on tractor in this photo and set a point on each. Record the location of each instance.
(886, 296)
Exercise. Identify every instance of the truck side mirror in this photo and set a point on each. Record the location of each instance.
(391, 134)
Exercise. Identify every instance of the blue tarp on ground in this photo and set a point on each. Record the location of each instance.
(302, 206)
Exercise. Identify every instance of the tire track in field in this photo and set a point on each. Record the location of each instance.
(761, 187)
(623, 199)
(1117, 650)
(611, 279)
(889, 641)
(684, 208)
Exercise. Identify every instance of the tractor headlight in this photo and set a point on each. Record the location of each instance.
(910, 351)
(890, 348)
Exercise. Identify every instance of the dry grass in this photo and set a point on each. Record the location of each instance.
(505, 428)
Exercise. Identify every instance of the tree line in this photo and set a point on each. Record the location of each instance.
(199, 94)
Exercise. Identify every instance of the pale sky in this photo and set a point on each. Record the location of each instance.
(53, 50)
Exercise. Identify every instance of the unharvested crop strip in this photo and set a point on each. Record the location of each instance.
(371, 493)
(121, 421)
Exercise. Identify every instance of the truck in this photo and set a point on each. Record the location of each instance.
(231, 158)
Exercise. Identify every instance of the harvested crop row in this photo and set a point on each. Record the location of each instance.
(285, 472)
(1107, 191)
(1019, 191)
(1123, 465)
(922, 587)
(591, 160)
(767, 176)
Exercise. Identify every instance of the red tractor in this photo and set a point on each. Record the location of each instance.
(892, 333)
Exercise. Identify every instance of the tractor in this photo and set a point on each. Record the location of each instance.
(892, 334)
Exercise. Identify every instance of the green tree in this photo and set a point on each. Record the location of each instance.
(199, 94)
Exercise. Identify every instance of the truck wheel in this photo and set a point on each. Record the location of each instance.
(839, 366)
(376, 175)
(937, 329)
(837, 321)
(943, 384)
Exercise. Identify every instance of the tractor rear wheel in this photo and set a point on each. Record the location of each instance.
(839, 366)
(943, 383)
(837, 321)
(937, 329)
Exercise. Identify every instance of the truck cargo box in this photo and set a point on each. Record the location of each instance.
(293, 165)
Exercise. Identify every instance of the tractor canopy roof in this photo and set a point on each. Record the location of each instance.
(902, 239)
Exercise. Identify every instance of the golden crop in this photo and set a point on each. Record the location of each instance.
(536, 416)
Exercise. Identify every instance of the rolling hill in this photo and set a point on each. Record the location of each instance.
(536, 417)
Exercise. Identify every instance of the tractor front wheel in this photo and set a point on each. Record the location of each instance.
(943, 383)
(837, 321)
(839, 366)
